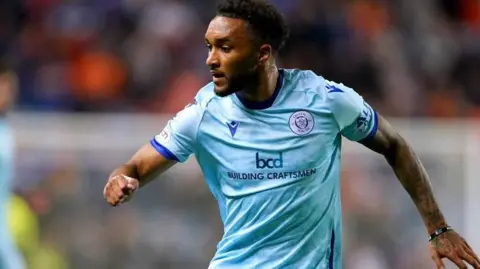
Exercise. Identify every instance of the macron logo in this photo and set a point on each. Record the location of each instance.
(331, 88)
(232, 125)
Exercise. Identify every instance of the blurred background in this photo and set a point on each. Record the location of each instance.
(97, 79)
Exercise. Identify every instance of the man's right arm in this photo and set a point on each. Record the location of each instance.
(145, 165)
(174, 144)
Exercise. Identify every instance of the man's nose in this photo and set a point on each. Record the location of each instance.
(212, 60)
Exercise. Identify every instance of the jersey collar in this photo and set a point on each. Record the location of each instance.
(267, 103)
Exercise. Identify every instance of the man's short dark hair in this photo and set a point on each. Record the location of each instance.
(264, 19)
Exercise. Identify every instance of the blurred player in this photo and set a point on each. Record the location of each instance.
(10, 258)
(268, 141)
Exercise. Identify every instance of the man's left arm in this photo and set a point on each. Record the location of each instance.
(358, 121)
(444, 242)
(409, 171)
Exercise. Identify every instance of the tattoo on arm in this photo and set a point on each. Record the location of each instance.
(409, 171)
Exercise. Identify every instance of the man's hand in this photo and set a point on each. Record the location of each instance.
(452, 246)
(120, 189)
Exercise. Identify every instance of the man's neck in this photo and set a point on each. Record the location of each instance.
(265, 88)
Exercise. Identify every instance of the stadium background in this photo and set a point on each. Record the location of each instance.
(97, 79)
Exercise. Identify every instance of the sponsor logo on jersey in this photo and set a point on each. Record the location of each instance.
(268, 166)
(262, 163)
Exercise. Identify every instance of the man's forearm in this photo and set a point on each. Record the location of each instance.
(414, 179)
(144, 172)
(130, 170)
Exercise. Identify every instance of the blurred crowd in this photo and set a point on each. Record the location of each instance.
(408, 58)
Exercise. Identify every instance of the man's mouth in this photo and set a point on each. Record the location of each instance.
(217, 76)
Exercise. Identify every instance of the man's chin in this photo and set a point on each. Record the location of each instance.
(222, 91)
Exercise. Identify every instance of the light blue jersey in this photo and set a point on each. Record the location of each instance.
(10, 258)
(274, 168)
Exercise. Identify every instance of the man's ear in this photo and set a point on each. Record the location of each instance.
(265, 54)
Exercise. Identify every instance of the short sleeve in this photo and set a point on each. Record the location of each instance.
(356, 119)
(178, 140)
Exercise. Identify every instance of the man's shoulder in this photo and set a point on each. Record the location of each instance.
(335, 95)
(304, 80)
(204, 95)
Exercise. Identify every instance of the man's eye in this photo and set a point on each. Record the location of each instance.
(226, 49)
(209, 47)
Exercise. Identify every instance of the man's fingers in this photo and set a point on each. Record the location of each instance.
(121, 182)
(121, 194)
(112, 193)
(438, 261)
(105, 191)
(119, 189)
(470, 259)
(131, 186)
(470, 251)
(111, 200)
(456, 260)
(131, 183)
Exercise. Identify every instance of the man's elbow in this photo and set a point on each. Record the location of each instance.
(397, 145)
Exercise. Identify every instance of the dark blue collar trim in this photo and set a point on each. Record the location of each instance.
(267, 103)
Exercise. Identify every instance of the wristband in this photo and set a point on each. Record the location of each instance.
(439, 232)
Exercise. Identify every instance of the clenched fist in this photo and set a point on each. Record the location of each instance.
(119, 189)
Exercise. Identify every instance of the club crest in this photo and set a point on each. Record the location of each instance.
(301, 122)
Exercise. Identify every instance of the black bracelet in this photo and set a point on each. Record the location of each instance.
(439, 232)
